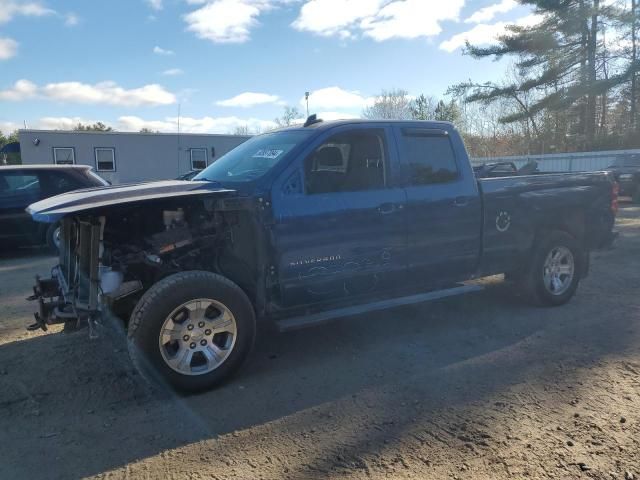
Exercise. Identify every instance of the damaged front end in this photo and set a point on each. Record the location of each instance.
(118, 241)
(71, 294)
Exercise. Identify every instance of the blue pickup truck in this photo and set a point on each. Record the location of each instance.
(304, 225)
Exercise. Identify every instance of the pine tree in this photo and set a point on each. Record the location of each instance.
(559, 61)
(633, 23)
(423, 107)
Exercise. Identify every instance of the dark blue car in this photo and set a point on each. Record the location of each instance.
(21, 185)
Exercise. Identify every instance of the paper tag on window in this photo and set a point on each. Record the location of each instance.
(268, 153)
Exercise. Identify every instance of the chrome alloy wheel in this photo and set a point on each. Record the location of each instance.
(198, 336)
(558, 271)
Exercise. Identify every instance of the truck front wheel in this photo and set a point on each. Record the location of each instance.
(192, 330)
(554, 271)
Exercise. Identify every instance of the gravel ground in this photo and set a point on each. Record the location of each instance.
(472, 387)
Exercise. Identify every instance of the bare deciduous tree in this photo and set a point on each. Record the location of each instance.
(290, 116)
(390, 105)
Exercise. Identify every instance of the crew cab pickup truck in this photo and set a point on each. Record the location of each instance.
(304, 225)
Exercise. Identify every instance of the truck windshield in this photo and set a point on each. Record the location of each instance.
(253, 158)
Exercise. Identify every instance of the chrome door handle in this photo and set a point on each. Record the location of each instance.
(461, 202)
(386, 208)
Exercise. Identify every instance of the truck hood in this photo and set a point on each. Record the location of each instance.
(54, 208)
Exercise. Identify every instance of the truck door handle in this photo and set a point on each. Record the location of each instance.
(461, 202)
(387, 208)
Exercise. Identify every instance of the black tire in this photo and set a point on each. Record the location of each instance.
(531, 282)
(50, 237)
(160, 300)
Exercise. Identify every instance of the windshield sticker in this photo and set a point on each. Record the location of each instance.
(268, 153)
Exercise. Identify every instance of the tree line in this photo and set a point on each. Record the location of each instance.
(572, 84)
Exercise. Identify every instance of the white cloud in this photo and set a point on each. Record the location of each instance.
(336, 98)
(155, 4)
(228, 21)
(61, 123)
(223, 21)
(335, 17)
(10, 9)
(172, 72)
(410, 19)
(108, 93)
(161, 51)
(484, 34)
(336, 115)
(487, 14)
(194, 125)
(9, 127)
(248, 99)
(71, 19)
(21, 90)
(377, 19)
(8, 48)
(47, 123)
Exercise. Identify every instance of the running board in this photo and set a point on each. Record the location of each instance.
(304, 321)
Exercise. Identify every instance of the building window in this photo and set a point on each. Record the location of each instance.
(64, 156)
(105, 159)
(198, 158)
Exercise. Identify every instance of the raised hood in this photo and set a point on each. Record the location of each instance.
(53, 209)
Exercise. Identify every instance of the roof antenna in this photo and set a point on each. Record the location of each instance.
(311, 120)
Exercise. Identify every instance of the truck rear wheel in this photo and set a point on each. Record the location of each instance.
(192, 330)
(554, 272)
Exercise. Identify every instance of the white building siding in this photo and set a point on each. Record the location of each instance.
(136, 156)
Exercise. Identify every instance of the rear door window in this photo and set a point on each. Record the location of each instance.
(429, 155)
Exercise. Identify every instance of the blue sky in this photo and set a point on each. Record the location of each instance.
(132, 63)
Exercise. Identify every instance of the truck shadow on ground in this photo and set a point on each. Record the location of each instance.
(68, 392)
(79, 404)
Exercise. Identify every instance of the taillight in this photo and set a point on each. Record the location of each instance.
(615, 190)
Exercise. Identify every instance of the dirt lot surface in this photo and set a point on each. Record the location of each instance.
(473, 387)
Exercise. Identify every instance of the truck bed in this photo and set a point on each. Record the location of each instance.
(516, 208)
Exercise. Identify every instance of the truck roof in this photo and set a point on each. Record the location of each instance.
(322, 124)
